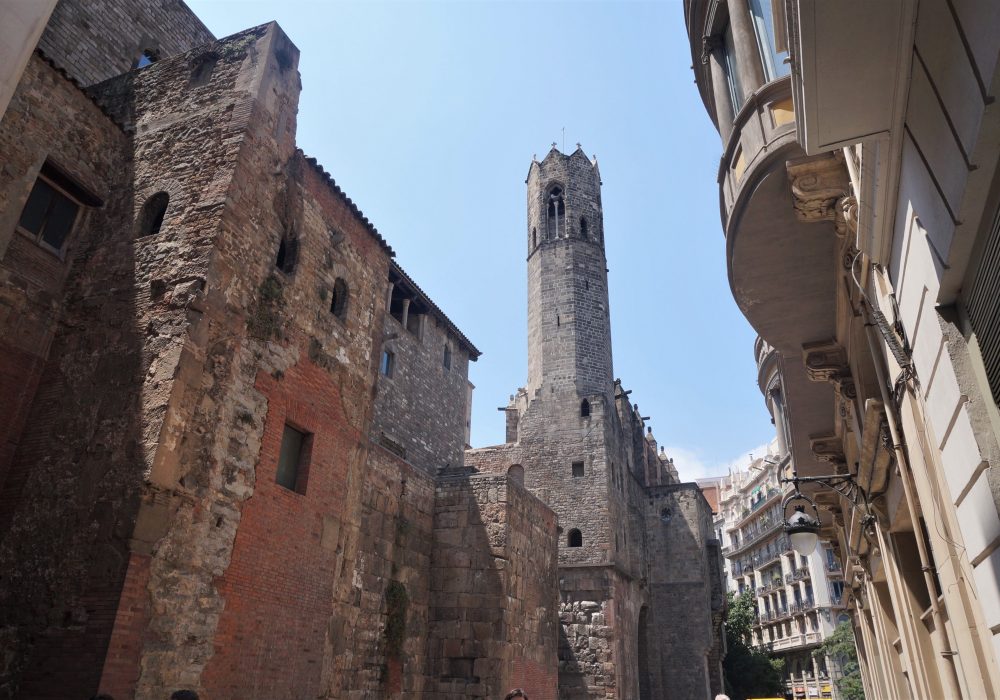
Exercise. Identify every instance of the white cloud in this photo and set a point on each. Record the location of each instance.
(691, 463)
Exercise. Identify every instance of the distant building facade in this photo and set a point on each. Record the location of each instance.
(799, 600)
(859, 191)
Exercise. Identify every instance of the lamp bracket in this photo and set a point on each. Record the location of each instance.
(844, 484)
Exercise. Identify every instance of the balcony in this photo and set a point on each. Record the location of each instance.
(774, 615)
(782, 240)
(768, 527)
(799, 574)
(796, 640)
(802, 606)
(769, 587)
(767, 362)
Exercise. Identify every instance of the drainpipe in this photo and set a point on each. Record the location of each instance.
(909, 489)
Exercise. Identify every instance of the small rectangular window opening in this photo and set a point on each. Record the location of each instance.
(388, 363)
(293, 460)
(49, 214)
(447, 357)
(577, 468)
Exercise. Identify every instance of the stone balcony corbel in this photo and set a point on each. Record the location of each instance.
(821, 191)
(826, 361)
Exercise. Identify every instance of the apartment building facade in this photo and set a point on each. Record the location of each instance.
(859, 191)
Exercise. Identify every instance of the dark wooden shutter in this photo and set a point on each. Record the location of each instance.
(983, 305)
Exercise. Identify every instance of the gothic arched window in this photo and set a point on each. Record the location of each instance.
(575, 538)
(584, 408)
(556, 213)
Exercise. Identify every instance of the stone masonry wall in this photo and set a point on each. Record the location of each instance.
(597, 467)
(532, 578)
(569, 326)
(493, 584)
(394, 551)
(684, 595)
(99, 39)
(422, 406)
(69, 365)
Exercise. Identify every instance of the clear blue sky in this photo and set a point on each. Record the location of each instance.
(428, 114)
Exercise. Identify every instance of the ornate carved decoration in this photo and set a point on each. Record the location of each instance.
(821, 192)
(708, 45)
(827, 448)
(846, 216)
(826, 361)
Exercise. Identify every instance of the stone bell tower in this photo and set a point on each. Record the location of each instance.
(569, 326)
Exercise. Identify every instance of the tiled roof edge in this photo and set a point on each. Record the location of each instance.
(321, 171)
(62, 71)
(474, 352)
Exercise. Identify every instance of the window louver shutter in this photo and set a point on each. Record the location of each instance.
(983, 306)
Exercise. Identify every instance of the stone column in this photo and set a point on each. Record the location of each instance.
(714, 54)
(406, 312)
(747, 52)
(388, 296)
(778, 413)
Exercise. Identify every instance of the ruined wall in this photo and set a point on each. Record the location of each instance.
(532, 579)
(421, 408)
(98, 39)
(493, 586)
(237, 556)
(599, 611)
(376, 644)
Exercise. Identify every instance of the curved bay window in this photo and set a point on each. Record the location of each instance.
(772, 37)
(732, 71)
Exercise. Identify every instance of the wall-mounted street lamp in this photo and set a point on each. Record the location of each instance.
(802, 528)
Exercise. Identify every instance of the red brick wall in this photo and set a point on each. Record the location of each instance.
(277, 590)
(121, 664)
(539, 681)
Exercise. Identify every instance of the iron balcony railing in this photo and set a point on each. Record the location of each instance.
(768, 527)
(799, 574)
(800, 606)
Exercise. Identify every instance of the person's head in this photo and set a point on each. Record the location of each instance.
(721, 696)
(516, 693)
(184, 695)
